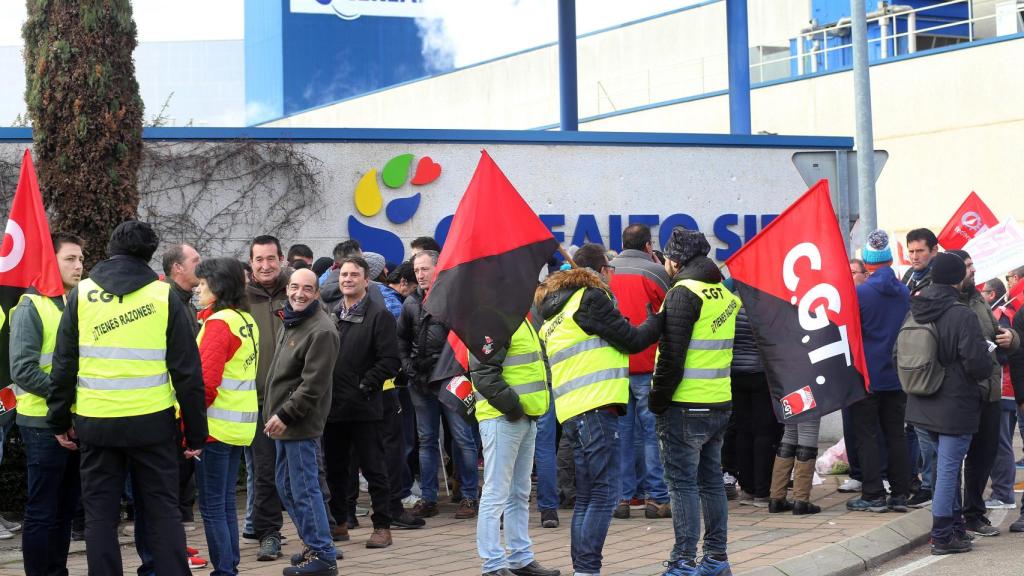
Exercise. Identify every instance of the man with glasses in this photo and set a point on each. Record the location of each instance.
(859, 271)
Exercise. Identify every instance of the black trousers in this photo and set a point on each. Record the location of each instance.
(757, 432)
(980, 457)
(154, 471)
(393, 438)
(186, 487)
(340, 439)
(883, 411)
(266, 506)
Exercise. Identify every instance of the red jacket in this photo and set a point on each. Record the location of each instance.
(218, 346)
(637, 282)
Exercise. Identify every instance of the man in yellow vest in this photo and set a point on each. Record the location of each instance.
(691, 395)
(124, 354)
(588, 342)
(511, 389)
(52, 476)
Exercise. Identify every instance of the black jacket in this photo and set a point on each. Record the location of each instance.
(956, 408)
(597, 314)
(421, 339)
(367, 356)
(682, 311)
(746, 357)
(123, 275)
(185, 297)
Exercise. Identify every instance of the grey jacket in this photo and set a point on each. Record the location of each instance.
(26, 342)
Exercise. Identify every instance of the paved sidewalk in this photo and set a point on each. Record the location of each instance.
(634, 547)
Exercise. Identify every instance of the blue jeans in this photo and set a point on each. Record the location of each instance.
(508, 461)
(216, 475)
(298, 485)
(927, 447)
(594, 437)
(428, 425)
(639, 415)
(947, 509)
(54, 489)
(691, 451)
(250, 489)
(545, 459)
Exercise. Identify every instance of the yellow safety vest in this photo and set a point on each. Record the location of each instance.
(122, 349)
(706, 367)
(586, 371)
(32, 407)
(233, 414)
(523, 370)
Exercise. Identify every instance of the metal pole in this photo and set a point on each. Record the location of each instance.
(568, 102)
(739, 66)
(865, 139)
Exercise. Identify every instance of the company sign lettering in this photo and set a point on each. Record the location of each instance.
(352, 9)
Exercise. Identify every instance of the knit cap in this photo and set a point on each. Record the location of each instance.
(876, 249)
(376, 262)
(685, 245)
(948, 269)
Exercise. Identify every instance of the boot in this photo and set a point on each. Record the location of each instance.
(780, 480)
(803, 475)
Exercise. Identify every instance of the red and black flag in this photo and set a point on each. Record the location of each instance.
(487, 273)
(802, 304)
(26, 258)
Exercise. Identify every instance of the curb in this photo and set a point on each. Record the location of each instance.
(858, 554)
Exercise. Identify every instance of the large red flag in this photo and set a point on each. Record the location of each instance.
(972, 218)
(798, 293)
(487, 272)
(26, 257)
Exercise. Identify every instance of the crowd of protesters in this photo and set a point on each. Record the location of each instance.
(634, 383)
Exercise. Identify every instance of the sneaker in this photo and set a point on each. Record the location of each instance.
(759, 502)
(270, 548)
(954, 546)
(622, 510)
(898, 504)
(12, 527)
(300, 557)
(467, 509)
(655, 510)
(711, 567)
(850, 486)
(534, 568)
(730, 486)
(745, 498)
(997, 504)
(381, 538)
(406, 521)
(549, 518)
(1018, 487)
(921, 499)
(982, 527)
(679, 568)
(190, 551)
(313, 566)
(862, 505)
(197, 563)
(410, 501)
(499, 572)
(1018, 524)
(5, 534)
(424, 509)
(360, 511)
(1020, 463)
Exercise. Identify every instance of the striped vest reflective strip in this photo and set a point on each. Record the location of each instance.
(232, 416)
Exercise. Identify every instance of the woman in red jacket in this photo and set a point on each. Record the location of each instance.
(229, 349)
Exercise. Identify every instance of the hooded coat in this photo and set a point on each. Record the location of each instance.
(955, 409)
(989, 328)
(122, 275)
(884, 303)
(597, 314)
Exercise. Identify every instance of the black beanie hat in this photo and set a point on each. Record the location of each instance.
(948, 269)
(685, 245)
(133, 238)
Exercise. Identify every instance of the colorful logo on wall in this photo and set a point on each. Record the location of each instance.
(369, 202)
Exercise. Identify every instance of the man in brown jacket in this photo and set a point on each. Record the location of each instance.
(297, 399)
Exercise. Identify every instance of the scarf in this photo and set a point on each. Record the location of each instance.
(293, 318)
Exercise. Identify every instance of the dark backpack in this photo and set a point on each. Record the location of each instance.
(917, 358)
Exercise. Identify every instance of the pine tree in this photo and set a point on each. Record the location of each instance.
(86, 112)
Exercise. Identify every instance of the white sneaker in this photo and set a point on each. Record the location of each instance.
(995, 504)
(850, 485)
(9, 525)
(5, 534)
(728, 478)
(410, 500)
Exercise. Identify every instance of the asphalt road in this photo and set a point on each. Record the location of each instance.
(992, 556)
